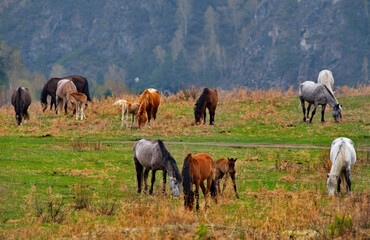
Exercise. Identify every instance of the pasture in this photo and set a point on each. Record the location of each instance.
(63, 178)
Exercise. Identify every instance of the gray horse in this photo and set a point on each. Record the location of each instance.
(153, 155)
(318, 94)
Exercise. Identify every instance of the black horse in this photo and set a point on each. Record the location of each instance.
(50, 88)
(208, 99)
(21, 100)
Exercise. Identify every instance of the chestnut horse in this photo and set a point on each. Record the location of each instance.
(195, 170)
(21, 100)
(208, 99)
(64, 90)
(149, 102)
(225, 167)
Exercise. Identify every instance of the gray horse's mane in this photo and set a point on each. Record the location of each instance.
(168, 157)
(327, 89)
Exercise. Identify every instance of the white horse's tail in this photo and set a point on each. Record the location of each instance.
(120, 102)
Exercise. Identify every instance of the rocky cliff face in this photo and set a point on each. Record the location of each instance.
(275, 43)
(291, 41)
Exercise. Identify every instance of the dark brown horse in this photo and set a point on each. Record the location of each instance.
(21, 100)
(195, 170)
(149, 102)
(50, 88)
(208, 99)
(225, 167)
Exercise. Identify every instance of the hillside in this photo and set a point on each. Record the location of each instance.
(175, 44)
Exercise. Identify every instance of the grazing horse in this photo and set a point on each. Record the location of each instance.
(195, 170)
(326, 78)
(226, 167)
(80, 100)
(318, 94)
(128, 108)
(342, 156)
(64, 90)
(21, 100)
(208, 99)
(51, 85)
(153, 155)
(149, 102)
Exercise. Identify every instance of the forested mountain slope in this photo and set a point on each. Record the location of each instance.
(174, 44)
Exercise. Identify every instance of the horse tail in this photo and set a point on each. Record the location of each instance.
(167, 156)
(85, 90)
(19, 100)
(44, 94)
(187, 181)
(213, 189)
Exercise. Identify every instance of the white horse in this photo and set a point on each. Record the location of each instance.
(128, 108)
(318, 94)
(326, 78)
(342, 156)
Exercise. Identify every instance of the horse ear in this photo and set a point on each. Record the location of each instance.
(235, 159)
(327, 175)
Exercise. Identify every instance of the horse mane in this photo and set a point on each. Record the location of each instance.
(168, 157)
(187, 179)
(327, 89)
(199, 105)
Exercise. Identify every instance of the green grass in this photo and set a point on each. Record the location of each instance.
(72, 159)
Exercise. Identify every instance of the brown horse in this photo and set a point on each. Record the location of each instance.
(226, 167)
(195, 170)
(80, 101)
(149, 102)
(64, 90)
(208, 99)
(21, 100)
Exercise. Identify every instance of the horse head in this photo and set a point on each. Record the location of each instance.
(175, 186)
(337, 112)
(232, 165)
(198, 115)
(331, 183)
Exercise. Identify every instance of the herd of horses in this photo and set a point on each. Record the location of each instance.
(73, 92)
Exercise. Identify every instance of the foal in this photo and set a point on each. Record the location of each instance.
(129, 108)
(80, 100)
(226, 167)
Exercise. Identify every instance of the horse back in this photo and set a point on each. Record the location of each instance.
(204, 163)
(222, 164)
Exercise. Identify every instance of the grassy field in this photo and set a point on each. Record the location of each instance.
(63, 178)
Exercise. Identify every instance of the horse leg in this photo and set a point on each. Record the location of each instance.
(304, 110)
(164, 181)
(308, 109)
(338, 187)
(218, 179)
(152, 182)
(313, 112)
(132, 120)
(323, 112)
(77, 110)
(234, 185)
(204, 115)
(53, 101)
(196, 193)
(82, 113)
(348, 180)
(65, 107)
(139, 174)
(211, 117)
(224, 186)
(146, 172)
(127, 115)
(205, 194)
